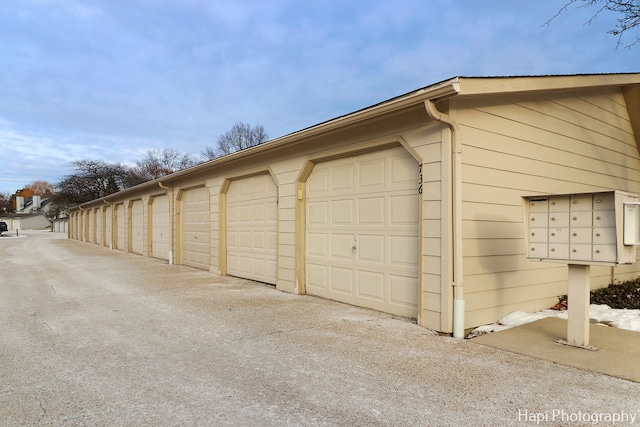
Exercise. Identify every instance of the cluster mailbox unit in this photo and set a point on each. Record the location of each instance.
(581, 230)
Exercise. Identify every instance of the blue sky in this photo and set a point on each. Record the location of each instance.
(112, 79)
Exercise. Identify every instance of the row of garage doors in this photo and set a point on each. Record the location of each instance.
(361, 218)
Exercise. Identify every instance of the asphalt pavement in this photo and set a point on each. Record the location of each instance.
(96, 337)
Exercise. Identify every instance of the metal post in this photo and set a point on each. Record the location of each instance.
(578, 310)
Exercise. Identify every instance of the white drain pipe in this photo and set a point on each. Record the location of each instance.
(456, 216)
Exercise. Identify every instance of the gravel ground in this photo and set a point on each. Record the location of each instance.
(92, 337)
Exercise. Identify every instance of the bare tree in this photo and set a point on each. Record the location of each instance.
(93, 179)
(158, 163)
(629, 9)
(240, 137)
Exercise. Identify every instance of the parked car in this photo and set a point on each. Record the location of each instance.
(3, 227)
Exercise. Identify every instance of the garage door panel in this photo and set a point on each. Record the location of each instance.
(403, 172)
(371, 211)
(341, 280)
(244, 240)
(372, 174)
(403, 211)
(317, 276)
(402, 251)
(318, 213)
(371, 248)
(371, 285)
(362, 233)
(341, 246)
(342, 177)
(318, 244)
(342, 212)
(403, 290)
(318, 182)
(252, 213)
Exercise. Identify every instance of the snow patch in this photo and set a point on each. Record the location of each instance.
(603, 314)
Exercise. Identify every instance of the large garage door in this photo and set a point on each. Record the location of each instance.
(120, 227)
(252, 225)
(195, 228)
(137, 227)
(160, 227)
(362, 231)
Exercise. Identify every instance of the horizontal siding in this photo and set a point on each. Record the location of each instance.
(527, 147)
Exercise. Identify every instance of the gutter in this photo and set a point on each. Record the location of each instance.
(455, 171)
(169, 191)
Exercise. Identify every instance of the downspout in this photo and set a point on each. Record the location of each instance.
(169, 191)
(456, 216)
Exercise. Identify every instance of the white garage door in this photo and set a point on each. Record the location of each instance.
(362, 231)
(252, 225)
(137, 227)
(120, 227)
(160, 227)
(108, 224)
(99, 226)
(91, 225)
(195, 228)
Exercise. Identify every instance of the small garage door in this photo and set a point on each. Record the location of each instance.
(362, 231)
(252, 225)
(195, 228)
(160, 227)
(120, 227)
(108, 224)
(137, 227)
(99, 226)
(91, 224)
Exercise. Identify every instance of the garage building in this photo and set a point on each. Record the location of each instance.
(402, 206)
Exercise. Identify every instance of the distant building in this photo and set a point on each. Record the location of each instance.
(26, 221)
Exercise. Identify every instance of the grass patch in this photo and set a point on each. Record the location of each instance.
(617, 295)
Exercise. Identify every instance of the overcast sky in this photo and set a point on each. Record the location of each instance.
(112, 79)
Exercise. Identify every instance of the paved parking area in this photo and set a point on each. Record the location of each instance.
(92, 337)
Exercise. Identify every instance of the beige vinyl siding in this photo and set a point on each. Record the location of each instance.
(534, 145)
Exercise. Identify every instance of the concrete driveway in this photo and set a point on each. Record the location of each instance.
(91, 336)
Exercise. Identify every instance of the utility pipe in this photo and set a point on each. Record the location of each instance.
(169, 191)
(456, 216)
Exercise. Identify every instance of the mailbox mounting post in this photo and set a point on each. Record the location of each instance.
(581, 230)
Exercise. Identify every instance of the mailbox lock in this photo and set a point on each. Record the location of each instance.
(575, 218)
(553, 219)
(575, 234)
(553, 249)
(597, 251)
(574, 250)
(598, 218)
